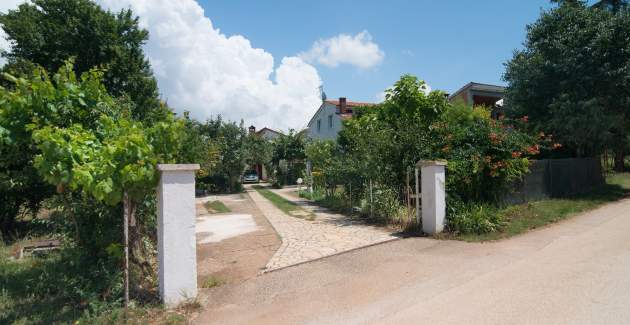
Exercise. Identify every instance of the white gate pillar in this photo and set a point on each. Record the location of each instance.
(177, 250)
(433, 187)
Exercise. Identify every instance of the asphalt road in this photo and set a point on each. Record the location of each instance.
(574, 272)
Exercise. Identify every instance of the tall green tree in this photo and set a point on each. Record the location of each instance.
(288, 158)
(385, 142)
(572, 79)
(49, 32)
(258, 150)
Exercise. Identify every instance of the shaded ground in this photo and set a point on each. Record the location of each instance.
(237, 257)
(573, 272)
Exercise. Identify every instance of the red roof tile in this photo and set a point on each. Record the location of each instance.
(349, 103)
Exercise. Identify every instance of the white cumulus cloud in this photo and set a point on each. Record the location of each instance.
(201, 70)
(358, 50)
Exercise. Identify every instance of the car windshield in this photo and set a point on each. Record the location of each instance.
(251, 173)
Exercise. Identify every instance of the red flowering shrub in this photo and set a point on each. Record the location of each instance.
(485, 155)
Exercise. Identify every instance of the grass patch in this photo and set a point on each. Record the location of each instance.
(283, 204)
(212, 282)
(217, 207)
(524, 217)
(335, 203)
(143, 315)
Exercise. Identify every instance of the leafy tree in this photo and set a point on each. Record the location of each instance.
(572, 79)
(113, 163)
(258, 150)
(382, 144)
(69, 133)
(288, 156)
(198, 147)
(49, 32)
(32, 103)
(224, 154)
(396, 129)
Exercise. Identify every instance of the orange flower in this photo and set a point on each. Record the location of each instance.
(534, 150)
(516, 154)
(557, 146)
(494, 138)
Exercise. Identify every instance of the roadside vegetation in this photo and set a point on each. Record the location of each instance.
(368, 171)
(40, 290)
(217, 207)
(517, 219)
(283, 204)
(548, 115)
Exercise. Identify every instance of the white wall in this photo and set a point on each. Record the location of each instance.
(325, 132)
(177, 257)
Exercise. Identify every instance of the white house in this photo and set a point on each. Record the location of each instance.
(327, 121)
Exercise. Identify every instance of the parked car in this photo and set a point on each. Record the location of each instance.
(251, 177)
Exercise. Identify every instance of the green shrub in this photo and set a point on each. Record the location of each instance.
(472, 218)
(380, 146)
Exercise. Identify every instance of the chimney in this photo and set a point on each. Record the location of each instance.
(252, 129)
(343, 106)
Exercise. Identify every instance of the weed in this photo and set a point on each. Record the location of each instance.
(211, 282)
(217, 207)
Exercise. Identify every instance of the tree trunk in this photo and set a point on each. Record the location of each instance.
(619, 160)
(139, 255)
(126, 213)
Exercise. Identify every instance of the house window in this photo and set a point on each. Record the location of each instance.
(330, 121)
(319, 125)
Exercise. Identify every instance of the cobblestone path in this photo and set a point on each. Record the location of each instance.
(304, 240)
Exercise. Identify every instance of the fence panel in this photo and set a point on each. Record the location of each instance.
(556, 178)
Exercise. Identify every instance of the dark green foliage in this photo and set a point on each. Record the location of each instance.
(259, 150)
(287, 161)
(220, 148)
(572, 79)
(49, 32)
(57, 289)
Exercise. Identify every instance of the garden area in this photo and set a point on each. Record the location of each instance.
(82, 129)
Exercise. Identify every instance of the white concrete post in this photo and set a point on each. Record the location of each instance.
(433, 196)
(177, 250)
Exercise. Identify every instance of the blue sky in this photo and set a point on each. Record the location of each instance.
(263, 61)
(446, 43)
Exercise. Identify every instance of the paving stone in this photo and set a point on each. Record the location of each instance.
(305, 240)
